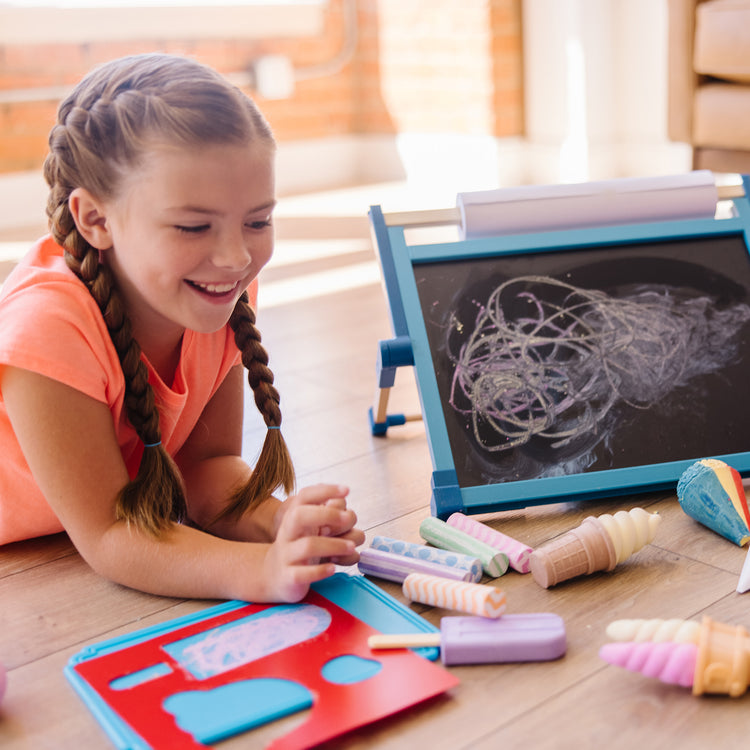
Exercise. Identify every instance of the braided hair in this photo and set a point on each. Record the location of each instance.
(103, 129)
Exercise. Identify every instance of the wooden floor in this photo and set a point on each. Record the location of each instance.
(323, 350)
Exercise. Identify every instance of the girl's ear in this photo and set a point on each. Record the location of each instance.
(89, 215)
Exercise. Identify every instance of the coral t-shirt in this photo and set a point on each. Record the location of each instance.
(51, 325)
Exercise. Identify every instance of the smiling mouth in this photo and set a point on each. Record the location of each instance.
(216, 290)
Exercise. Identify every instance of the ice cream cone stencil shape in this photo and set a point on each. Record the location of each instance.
(712, 493)
(599, 543)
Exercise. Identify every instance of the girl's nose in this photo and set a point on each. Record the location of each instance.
(233, 252)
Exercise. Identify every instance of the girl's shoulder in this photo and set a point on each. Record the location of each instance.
(50, 321)
(44, 263)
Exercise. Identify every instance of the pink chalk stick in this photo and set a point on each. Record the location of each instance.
(517, 552)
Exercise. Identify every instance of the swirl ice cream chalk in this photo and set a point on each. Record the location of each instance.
(599, 543)
(431, 554)
(439, 533)
(471, 598)
(718, 663)
(518, 553)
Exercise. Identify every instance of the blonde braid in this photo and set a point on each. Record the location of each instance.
(155, 497)
(274, 468)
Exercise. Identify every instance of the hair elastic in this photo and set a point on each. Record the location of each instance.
(152, 445)
(274, 427)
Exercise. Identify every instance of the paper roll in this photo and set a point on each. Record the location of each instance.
(540, 208)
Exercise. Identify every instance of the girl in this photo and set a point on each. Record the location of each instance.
(120, 347)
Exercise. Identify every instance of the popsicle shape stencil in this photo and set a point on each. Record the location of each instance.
(243, 641)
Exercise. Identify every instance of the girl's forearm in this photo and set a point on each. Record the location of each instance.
(313, 530)
(184, 562)
(209, 484)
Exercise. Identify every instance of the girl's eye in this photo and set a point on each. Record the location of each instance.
(193, 229)
(259, 224)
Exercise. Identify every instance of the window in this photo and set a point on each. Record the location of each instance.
(79, 21)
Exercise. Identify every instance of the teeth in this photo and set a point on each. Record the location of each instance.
(215, 288)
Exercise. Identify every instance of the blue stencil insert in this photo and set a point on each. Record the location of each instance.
(350, 669)
(214, 715)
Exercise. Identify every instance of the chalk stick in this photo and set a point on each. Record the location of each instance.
(471, 598)
(517, 552)
(438, 532)
(431, 554)
(393, 567)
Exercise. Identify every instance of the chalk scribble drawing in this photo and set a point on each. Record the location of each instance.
(237, 643)
(549, 360)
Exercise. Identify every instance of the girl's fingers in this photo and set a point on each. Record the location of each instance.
(319, 494)
(309, 551)
(315, 520)
(352, 559)
(297, 580)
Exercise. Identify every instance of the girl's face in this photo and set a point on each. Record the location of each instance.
(190, 229)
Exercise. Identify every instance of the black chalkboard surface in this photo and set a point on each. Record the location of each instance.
(572, 364)
(582, 360)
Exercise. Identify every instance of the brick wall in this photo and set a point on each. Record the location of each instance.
(422, 66)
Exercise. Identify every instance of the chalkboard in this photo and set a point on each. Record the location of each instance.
(575, 364)
(584, 360)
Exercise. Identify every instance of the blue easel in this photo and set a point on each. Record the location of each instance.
(410, 347)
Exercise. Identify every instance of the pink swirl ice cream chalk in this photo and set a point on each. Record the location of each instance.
(471, 598)
(717, 661)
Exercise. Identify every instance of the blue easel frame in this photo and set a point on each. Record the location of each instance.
(410, 347)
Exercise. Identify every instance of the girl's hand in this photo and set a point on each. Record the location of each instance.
(315, 531)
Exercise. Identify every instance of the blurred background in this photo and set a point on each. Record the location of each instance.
(414, 99)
